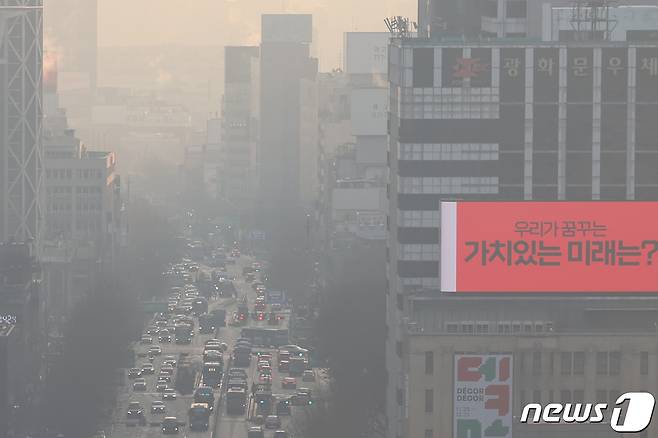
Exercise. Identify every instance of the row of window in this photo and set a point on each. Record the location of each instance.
(80, 173)
(503, 327)
(449, 185)
(449, 151)
(419, 252)
(608, 363)
(79, 190)
(419, 218)
(514, 8)
(79, 206)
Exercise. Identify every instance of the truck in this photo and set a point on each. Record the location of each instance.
(183, 333)
(241, 356)
(212, 374)
(297, 366)
(219, 317)
(199, 416)
(236, 401)
(206, 324)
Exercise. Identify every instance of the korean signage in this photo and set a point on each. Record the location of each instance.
(458, 68)
(482, 398)
(549, 247)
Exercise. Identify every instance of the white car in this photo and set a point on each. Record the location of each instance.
(169, 394)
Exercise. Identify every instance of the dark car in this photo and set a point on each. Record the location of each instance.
(158, 407)
(170, 426)
(280, 434)
(255, 432)
(283, 407)
(135, 410)
(134, 373)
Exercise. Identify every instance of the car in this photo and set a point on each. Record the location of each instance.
(283, 407)
(289, 383)
(135, 410)
(156, 350)
(255, 432)
(99, 434)
(265, 378)
(134, 373)
(266, 371)
(148, 368)
(164, 336)
(169, 394)
(263, 364)
(276, 307)
(170, 426)
(163, 378)
(166, 370)
(139, 384)
(284, 366)
(146, 339)
(169, 361)
(302, 397)
(265, 357)
(280, 434)
(237, 372)
(272, 422)
(308, 376)
(212, 341)
(151, 330)
(158, 407)
(160, 387)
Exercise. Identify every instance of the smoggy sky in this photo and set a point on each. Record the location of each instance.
(225, 22)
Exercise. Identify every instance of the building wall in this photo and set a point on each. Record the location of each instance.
(547, 368)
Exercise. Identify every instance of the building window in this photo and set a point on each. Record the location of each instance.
(579, 396)
(398, 348)
(429, 433)
(419, 218)
(419, 252)
(452, 328)
(423, 67)
(490, 8)
(602, 363)
(601, 396)
(551, 364)
(579, 363)
(449, 151)
(482, 328)
(536, 396)
(644, 363)
(521, 361)
(536, 363)
(516, 8)
(429, 401)
(399, 396)
(615, 363)
(449, 185)
(429, 362)
(565, 396)
(565, 363)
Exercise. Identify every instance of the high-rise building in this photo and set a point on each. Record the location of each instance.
(500, 119)
(20, 119)
(288, 119)
(240, 127)
(70, 30)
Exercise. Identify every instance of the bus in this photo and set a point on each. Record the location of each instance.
(199, 415)
(236, 401)
(265, 336)
(212, 374)
(183, 333)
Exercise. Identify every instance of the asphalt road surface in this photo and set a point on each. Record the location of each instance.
(221, 424)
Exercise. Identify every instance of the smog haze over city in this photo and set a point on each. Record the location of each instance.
(322, 219)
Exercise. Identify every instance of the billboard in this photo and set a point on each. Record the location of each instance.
(482, 396)
(549, 247)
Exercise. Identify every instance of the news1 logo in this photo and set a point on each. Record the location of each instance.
(639, 411)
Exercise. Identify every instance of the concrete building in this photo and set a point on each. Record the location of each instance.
(20, 121)
(82, 212)
(288, 127)
(239, 175)
(504, 120)
(22, 317)
(564, 349)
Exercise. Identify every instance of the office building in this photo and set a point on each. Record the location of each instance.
(20, 121)
(288, 121)
(504, 119)
(239, 175)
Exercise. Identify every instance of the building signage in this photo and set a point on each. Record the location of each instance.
(482, 398)
(549, 247)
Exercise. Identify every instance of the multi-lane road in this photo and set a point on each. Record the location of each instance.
(221, 424)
